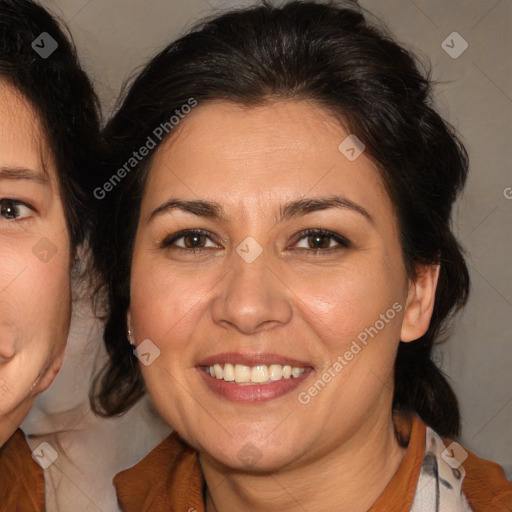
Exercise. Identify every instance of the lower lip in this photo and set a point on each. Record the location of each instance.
(253, 393)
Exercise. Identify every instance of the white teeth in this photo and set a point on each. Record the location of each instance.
(259, 374)
(296, 372)
(218, 371)
(242, 373)
(275, 372)
(229, 372)
(245, 375)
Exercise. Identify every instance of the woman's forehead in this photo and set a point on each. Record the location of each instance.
(268, 153)
(264, 127)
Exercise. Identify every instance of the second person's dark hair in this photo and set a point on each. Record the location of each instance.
(63, 99)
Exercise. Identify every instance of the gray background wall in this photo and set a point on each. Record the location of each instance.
(116, 36)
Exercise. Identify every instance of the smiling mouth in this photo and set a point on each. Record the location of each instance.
(253, 375)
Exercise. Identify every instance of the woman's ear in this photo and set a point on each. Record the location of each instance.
(420, 303)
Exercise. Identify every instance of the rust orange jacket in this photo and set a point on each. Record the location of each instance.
(169, 479)
(21, 477)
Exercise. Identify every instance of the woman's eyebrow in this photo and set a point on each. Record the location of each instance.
(19, 173)
(313, 204)
(292, 209)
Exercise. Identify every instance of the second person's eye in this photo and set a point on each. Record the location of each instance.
(12, 209)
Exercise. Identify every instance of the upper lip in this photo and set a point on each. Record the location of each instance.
(252, 359)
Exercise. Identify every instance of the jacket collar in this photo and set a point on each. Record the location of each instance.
(169, 478)
(21, 477)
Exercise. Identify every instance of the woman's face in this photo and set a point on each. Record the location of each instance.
(252, 295)
(35, 262)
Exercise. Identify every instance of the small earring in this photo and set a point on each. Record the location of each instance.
(130, 337)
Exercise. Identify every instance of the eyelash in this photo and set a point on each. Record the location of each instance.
(344, 242)
(13, 203)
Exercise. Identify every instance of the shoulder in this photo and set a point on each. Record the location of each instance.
(484, 485)
(164, 457)
(22, 479)
(169, 474)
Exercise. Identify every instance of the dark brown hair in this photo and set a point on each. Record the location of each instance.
(335, 57)
(64, 101)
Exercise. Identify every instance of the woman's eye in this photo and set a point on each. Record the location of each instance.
(320, 240)
(315, 241)
(190, 240)
(11, 209)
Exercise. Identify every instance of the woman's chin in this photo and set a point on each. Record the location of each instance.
(251, 455)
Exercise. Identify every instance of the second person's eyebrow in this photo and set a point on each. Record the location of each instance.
(292, 209)
(19, 173)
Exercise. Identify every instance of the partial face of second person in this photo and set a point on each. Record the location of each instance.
(281, 298)
(35, 304)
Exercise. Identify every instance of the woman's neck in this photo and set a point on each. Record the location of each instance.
(349, 478)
